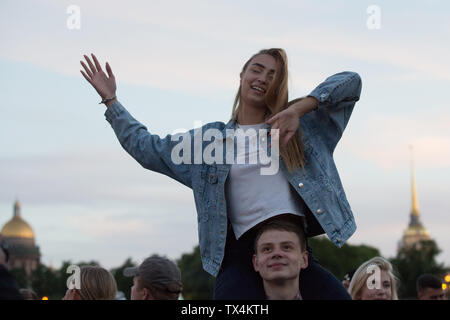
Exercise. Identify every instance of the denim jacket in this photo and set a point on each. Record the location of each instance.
(318, 185)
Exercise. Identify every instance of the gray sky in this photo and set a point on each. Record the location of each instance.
(178, 62)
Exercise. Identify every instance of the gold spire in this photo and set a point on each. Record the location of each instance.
(415, 201)
(415, 232)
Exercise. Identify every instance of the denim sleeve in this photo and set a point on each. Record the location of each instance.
(337, 96)
(148, 149)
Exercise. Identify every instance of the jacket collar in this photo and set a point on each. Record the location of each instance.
(232, 124)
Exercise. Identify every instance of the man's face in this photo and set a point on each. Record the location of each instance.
(382, 293)
(138, 293)
(431, 294)
(255, 80)
(279, 256)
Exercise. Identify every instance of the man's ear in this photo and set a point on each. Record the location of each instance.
(255, 262)
(305, 259)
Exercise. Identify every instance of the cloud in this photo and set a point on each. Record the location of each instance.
(85, 177)
(384, 139)
(201, 47)
(386, 237)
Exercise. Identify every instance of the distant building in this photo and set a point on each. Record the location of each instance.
(23, 252)
(415, 232)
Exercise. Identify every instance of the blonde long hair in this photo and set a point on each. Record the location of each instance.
(360, 277)
(97, 284)
(276, 100)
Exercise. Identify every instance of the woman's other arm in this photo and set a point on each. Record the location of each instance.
(337, 96)
(328, 106)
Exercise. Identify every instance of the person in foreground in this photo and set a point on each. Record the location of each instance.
(374, 280)
(232, 197)
(157, 278)
(280, 255)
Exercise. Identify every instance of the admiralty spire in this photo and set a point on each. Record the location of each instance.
(415, 232)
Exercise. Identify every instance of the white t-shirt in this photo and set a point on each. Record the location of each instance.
(252, 197)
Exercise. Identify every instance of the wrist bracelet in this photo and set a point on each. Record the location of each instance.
(107, 100)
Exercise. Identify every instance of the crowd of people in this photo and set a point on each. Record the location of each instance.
(280, 255)
(156, 278)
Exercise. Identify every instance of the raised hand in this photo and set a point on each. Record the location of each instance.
(103, 84)
(287, 120)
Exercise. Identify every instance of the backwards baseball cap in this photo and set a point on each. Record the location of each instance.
(157, 272)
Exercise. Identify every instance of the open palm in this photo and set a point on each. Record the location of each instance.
(104, 84)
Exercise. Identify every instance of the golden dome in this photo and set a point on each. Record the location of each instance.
(17, 227)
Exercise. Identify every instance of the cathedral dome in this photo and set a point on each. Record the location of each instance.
(17, 227)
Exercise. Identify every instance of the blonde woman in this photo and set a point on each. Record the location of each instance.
(374, 280)
(96, 283)
(232, 196)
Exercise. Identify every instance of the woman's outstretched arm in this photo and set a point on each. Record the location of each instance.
(148, 149)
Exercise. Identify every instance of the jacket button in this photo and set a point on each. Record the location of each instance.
(300, 185)
(319, 211)
(339, 240)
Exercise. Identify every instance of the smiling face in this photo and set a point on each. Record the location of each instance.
(256, 78)
(279, 256)
(383, 293)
